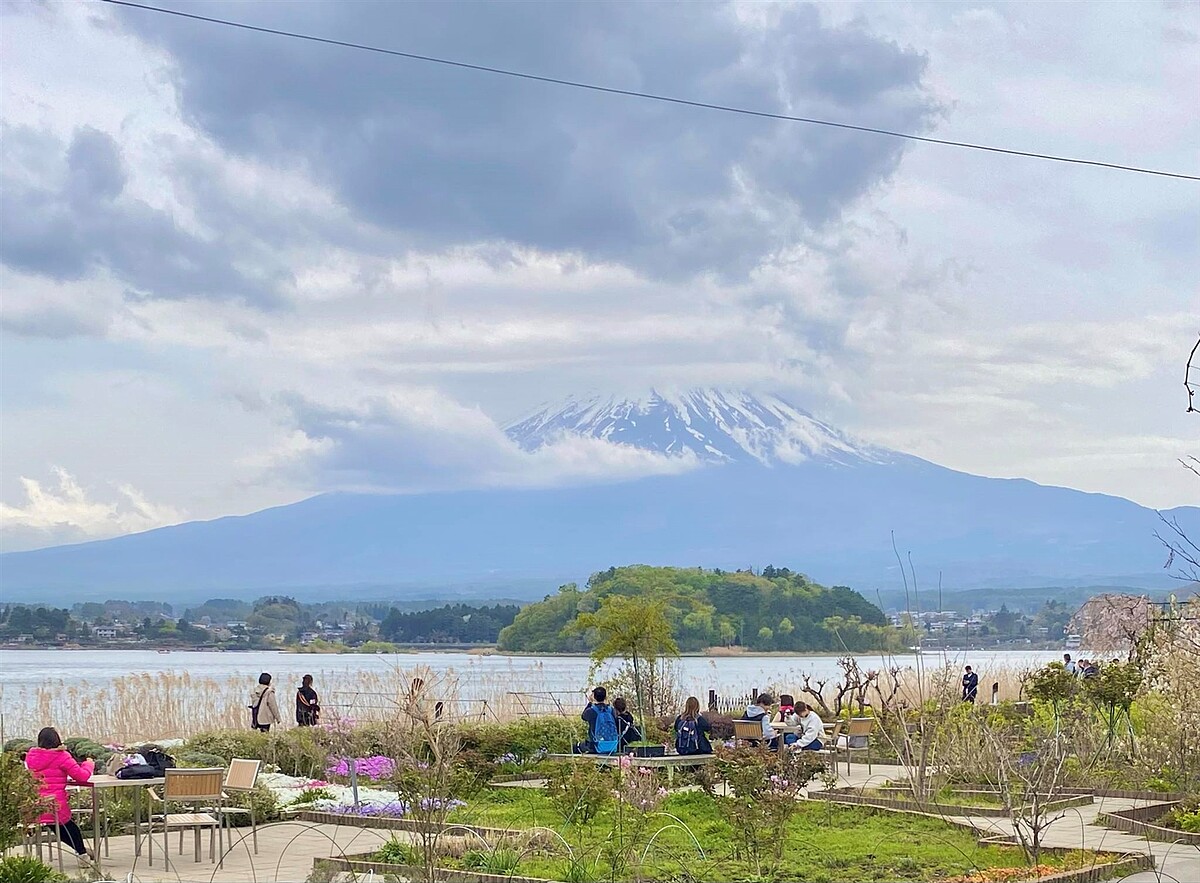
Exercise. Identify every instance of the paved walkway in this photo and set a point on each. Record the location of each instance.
(287, 849)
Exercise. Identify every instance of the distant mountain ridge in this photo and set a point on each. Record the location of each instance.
(772, 485)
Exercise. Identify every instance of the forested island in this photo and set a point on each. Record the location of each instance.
(774, 610)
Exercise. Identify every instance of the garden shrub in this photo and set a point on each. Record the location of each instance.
(397, 852)
(82, 749)
(28, 869)
(19, 746)
(579, 791)
(521, 741)
(198, 759)
(1185, 817)
(19, 801)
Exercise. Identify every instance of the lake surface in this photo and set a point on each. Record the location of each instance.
(25, 670)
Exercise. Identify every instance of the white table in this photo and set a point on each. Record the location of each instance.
(103, 782)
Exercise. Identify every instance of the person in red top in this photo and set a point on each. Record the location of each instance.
(53, 766)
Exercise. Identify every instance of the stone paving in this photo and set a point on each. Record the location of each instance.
(287, 849)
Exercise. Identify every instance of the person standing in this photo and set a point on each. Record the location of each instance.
(970, 685)
(52, 765)
(308, 706)
(1069, 665)
(264, 709)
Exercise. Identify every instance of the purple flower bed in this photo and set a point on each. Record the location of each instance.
(377, 767)
(394, 810)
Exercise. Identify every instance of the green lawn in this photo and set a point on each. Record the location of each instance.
(826, 843)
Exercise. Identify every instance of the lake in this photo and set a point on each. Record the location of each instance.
(24, 671)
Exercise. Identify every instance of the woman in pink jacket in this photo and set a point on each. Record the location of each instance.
(53, 766)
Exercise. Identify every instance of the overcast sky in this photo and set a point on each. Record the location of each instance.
(233, 263)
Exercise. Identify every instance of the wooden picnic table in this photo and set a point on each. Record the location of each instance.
(667, 761)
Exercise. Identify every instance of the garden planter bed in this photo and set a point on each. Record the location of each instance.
(362, 863)
(1118, 867)
(505, 778)
(1140, 820)
(909, 804)
(1122, 794)
(492, 835)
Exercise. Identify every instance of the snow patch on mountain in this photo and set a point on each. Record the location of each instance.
(713, 426)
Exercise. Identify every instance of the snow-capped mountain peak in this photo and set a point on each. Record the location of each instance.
(713, 425)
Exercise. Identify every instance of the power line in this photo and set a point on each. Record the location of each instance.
(649, 96)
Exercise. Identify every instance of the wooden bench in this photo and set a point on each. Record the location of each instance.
(669, 762)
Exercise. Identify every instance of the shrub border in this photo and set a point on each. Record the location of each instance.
(1123, 865)
(348, 820)
(361, 863)
(854, 797)
(1140, 820)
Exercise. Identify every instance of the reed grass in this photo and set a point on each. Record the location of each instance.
(174, 705)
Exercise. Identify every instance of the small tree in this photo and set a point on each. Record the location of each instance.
(630, 628)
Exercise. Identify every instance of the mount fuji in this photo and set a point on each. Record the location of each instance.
(765, 483)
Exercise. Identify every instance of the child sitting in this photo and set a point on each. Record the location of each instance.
(627, 730)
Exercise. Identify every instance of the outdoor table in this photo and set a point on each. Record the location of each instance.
(666, 761)
(102, 782)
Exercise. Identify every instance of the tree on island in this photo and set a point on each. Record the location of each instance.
(631, 628)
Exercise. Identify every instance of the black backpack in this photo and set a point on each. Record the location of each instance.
(156, 765)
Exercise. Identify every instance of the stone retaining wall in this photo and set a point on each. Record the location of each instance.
(855, 797)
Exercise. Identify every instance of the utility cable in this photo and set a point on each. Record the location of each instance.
(649, 96)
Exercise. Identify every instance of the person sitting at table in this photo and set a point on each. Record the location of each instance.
(786, 715)
(692, 730)
(52, 765)
(627, 730)
(809, 739)
(760, 710)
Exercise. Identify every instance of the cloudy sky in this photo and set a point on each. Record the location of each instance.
(240, 269)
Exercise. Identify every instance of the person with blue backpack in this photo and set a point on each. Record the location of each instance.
(603, 734)
(692, 730)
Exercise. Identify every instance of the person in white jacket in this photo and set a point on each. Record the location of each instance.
(809, 739)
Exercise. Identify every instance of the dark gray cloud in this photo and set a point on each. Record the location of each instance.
(66, 215)
(447, 156)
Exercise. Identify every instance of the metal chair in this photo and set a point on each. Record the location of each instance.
(240, 779)
(197, 788)
(858, 738)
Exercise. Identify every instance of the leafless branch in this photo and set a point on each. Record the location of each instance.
(1187, 379)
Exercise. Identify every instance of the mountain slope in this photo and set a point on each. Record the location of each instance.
(828, 512)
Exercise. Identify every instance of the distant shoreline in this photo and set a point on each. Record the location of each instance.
(490, 650)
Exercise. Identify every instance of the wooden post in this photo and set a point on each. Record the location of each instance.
(712, 700)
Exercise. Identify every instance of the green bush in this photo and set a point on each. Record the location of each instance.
(502, 860)
(83, 748)
(397, 852)
(27, 869)
(18, 746)
(264, 801)
(521, 741)
(198, 759)
(19, 801)
(311, 795)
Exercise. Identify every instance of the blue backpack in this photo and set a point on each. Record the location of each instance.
(687, 740)
(604, 730)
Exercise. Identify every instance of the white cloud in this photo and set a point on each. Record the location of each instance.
(67, 512)
(993, 314)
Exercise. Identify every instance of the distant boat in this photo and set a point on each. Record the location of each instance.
(164, 651)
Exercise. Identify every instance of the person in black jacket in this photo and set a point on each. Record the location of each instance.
(308, 705)
(970, 685)
(627, 730)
